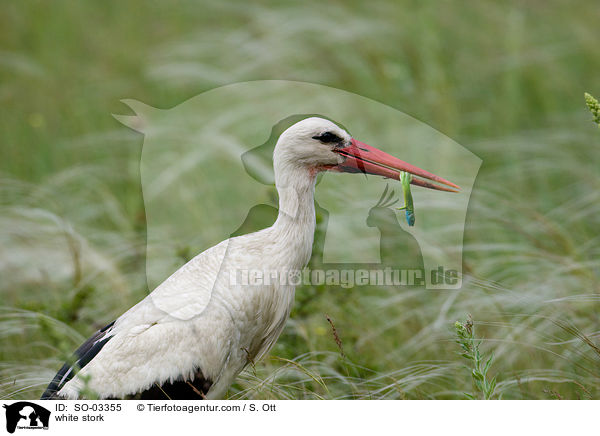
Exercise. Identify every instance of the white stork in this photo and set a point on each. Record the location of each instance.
(196, 331)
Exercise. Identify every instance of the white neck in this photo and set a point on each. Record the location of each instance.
(295, 226)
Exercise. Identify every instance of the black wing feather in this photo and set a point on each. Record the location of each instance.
(195, 389)
(84, 354)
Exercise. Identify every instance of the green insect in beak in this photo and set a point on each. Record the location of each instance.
(405, 179)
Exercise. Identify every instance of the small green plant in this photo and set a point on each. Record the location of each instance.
(594, 107)
(465, 337)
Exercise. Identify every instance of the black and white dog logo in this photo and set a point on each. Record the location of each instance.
(26, 415)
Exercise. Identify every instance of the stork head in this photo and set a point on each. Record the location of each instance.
(316, 144)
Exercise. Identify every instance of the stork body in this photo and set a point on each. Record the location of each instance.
(196, 331)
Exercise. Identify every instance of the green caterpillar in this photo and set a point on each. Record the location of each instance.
(405, 179)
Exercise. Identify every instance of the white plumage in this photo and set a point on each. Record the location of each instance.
(196, 331)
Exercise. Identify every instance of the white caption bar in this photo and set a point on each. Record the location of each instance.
(299, 417)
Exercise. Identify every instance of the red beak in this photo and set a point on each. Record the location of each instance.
(363, 158)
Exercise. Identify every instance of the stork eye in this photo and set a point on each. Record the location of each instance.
(328, 137)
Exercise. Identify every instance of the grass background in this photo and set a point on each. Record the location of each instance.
(504, 79)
